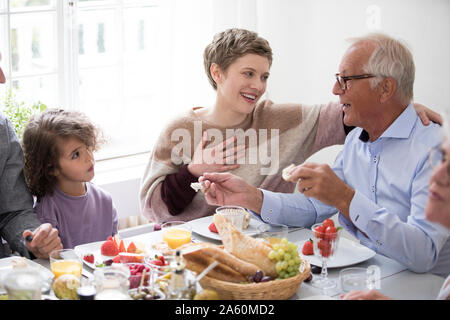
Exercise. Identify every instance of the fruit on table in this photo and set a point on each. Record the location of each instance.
(308, 248)
(136, 272)
(65, 287)
(328, 223)
(287, 258)
(89, 258)
(125, 257)
(109, 248)
(212, 228)
(122, 246)
(207, 294)
(132, 248)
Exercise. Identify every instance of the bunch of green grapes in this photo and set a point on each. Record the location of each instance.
(287, 258)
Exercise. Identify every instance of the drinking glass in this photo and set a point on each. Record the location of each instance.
(65, 261)
(235, 214)
(24, 284)
(176, 233)
(354, 279)
(325, 246)
(112, 283)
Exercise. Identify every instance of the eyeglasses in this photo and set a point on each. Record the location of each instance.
(342, 80)
(438, 156)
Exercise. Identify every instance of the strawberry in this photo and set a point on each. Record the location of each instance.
(212, 228)
(156, 262)
(131, 248)
(330, 233)
(327, 223)
(325, 248)
(308, 248)
(89, 258)
(319, 232)
(109, 248)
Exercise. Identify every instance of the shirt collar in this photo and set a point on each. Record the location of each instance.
(401, 127)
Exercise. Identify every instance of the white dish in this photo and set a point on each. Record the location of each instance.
(95, 249)
(6, 265)
(200, 226)
(349, 253)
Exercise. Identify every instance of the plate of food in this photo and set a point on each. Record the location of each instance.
(205, 227)
(15, 263)
(112, 250)
(349, 252)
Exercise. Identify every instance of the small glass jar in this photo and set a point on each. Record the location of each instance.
(112, 283)
(24, 284)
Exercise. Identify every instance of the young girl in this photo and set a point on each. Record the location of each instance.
(237, 63)
(59, 165)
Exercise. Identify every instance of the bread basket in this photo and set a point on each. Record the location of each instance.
(270, 290)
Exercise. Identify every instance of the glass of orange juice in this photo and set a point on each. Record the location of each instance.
(65, 261)
(176, 233)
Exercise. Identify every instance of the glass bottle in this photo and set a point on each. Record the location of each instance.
(178, 289)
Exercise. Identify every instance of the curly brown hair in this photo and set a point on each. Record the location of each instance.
(40, 145)
(231, 44)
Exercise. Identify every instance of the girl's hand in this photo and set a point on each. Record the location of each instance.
(219, 158)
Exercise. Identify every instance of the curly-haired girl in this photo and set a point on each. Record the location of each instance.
(59, 165)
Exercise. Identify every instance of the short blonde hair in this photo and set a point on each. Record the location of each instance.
(390, 58)
(231, 44)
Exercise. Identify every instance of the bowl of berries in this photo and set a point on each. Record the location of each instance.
(140, 274)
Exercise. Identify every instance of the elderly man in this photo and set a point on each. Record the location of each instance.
(379, 182)
(18, 221)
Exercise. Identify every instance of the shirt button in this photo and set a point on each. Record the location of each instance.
(379, 242)
(375, 160)
(270, 210)
(373, 189)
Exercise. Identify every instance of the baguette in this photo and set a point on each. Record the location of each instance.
(197, 261)
(245, 247)
(224, 257)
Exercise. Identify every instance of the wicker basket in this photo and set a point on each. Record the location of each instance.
(270, 290)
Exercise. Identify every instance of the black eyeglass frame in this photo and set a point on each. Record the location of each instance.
(343, 83)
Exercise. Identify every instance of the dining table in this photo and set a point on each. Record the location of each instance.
(396, 281)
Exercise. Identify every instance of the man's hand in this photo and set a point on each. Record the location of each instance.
(45, 240)
(364, 295)
(220, 158)
(227, 189)
(320, 182)
(425, 114)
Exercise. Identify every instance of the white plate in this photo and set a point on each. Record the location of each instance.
(349, 252)
(200, 226)
(6, 265)
(95, 249)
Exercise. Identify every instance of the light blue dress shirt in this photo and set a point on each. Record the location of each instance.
(390, 177)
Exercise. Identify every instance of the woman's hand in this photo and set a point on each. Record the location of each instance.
(220, 158)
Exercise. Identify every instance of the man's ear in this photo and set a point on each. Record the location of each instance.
(387, 89)
(216, 73)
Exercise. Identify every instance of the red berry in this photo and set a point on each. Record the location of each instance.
(308, 248)
(327, 223)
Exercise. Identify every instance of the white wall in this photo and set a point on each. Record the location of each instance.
(308, 39)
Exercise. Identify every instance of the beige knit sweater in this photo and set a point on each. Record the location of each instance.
(296, 131)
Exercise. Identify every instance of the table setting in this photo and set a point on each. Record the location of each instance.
(226, 256)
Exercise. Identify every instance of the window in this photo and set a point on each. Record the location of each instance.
(97, 56)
